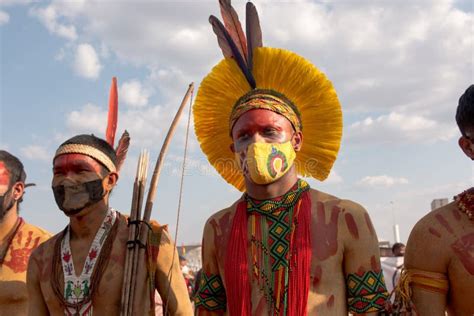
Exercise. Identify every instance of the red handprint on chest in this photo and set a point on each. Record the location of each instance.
(20, 252)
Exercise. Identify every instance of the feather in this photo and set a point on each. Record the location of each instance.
(113, 113)
(254, 32)
(122, 149)
(221, 38)
(216, 24)
(233, 26)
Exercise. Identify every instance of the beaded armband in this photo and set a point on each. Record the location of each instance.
(366, 292)
(211, 293)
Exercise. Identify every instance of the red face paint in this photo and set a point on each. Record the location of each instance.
(260, 125)
(325, 235)
(464, 249)
(75, 167)
(351, 225)
(4, 178)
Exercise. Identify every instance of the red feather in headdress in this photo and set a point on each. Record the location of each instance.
(113, 113)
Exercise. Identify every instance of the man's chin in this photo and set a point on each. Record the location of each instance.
(72, 212)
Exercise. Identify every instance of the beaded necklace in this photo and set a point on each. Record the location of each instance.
(465, 202)
(79, 290)
(272, 227)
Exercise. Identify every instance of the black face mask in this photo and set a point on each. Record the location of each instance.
(72, 199)
(6, 203)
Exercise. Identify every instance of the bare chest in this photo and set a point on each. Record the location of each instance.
(106, 294)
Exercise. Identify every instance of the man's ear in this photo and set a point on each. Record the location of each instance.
(111, 180)
(466, 146)
(297, 141)
(17, 190)
(232, 148)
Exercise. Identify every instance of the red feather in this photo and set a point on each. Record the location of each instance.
(113, 113)
(233, 26)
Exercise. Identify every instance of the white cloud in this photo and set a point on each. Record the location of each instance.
(89, 119)
(4, 18)
(49, 17)
(147, 126)
(5, 3)
(86, 63)
(36, 152)
(133, 93)
(381, 180)
(398, 127)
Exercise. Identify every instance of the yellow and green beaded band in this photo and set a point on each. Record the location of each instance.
(88, 151)
(267, 100)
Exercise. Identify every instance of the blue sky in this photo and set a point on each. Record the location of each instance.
(398, 67)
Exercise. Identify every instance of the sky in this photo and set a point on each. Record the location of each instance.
(399, 68)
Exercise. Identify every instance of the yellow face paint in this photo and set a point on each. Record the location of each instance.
(265, 163)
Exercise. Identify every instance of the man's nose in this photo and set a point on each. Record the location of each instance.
(257, 138)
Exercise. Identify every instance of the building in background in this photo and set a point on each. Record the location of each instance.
(437, 203)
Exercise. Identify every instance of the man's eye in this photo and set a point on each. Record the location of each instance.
(271, 132)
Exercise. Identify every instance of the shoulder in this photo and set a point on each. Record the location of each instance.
(434, 224)
(334, 204)
(430, 235)
(45, 250)
(36, 231)
(223, 217)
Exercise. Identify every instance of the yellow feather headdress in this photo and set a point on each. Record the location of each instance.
(273, 69)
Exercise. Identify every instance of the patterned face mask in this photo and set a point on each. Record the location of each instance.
(265, 163)
(73, 198)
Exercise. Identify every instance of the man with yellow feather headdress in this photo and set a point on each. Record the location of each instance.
(282, 248)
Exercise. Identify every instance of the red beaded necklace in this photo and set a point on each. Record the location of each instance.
(465, 202)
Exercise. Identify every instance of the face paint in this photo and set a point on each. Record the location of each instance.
(6, 200)
(265, 163)
(72, 198)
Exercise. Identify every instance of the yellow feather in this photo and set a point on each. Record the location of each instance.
(289, 74)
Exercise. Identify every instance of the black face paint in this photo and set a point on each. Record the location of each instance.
(6, 203)
(72, 199)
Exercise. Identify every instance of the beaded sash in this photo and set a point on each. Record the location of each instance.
(76, 288)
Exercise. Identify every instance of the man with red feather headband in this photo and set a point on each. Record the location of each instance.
(17, 237)
(80, 271)
(439, 260)
(282, 248)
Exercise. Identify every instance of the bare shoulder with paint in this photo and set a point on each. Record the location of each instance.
(443, 242)
(352, 218)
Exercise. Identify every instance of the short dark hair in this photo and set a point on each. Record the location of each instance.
(465, 110)
(15, 168)
(96, 142)
(396, 246)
